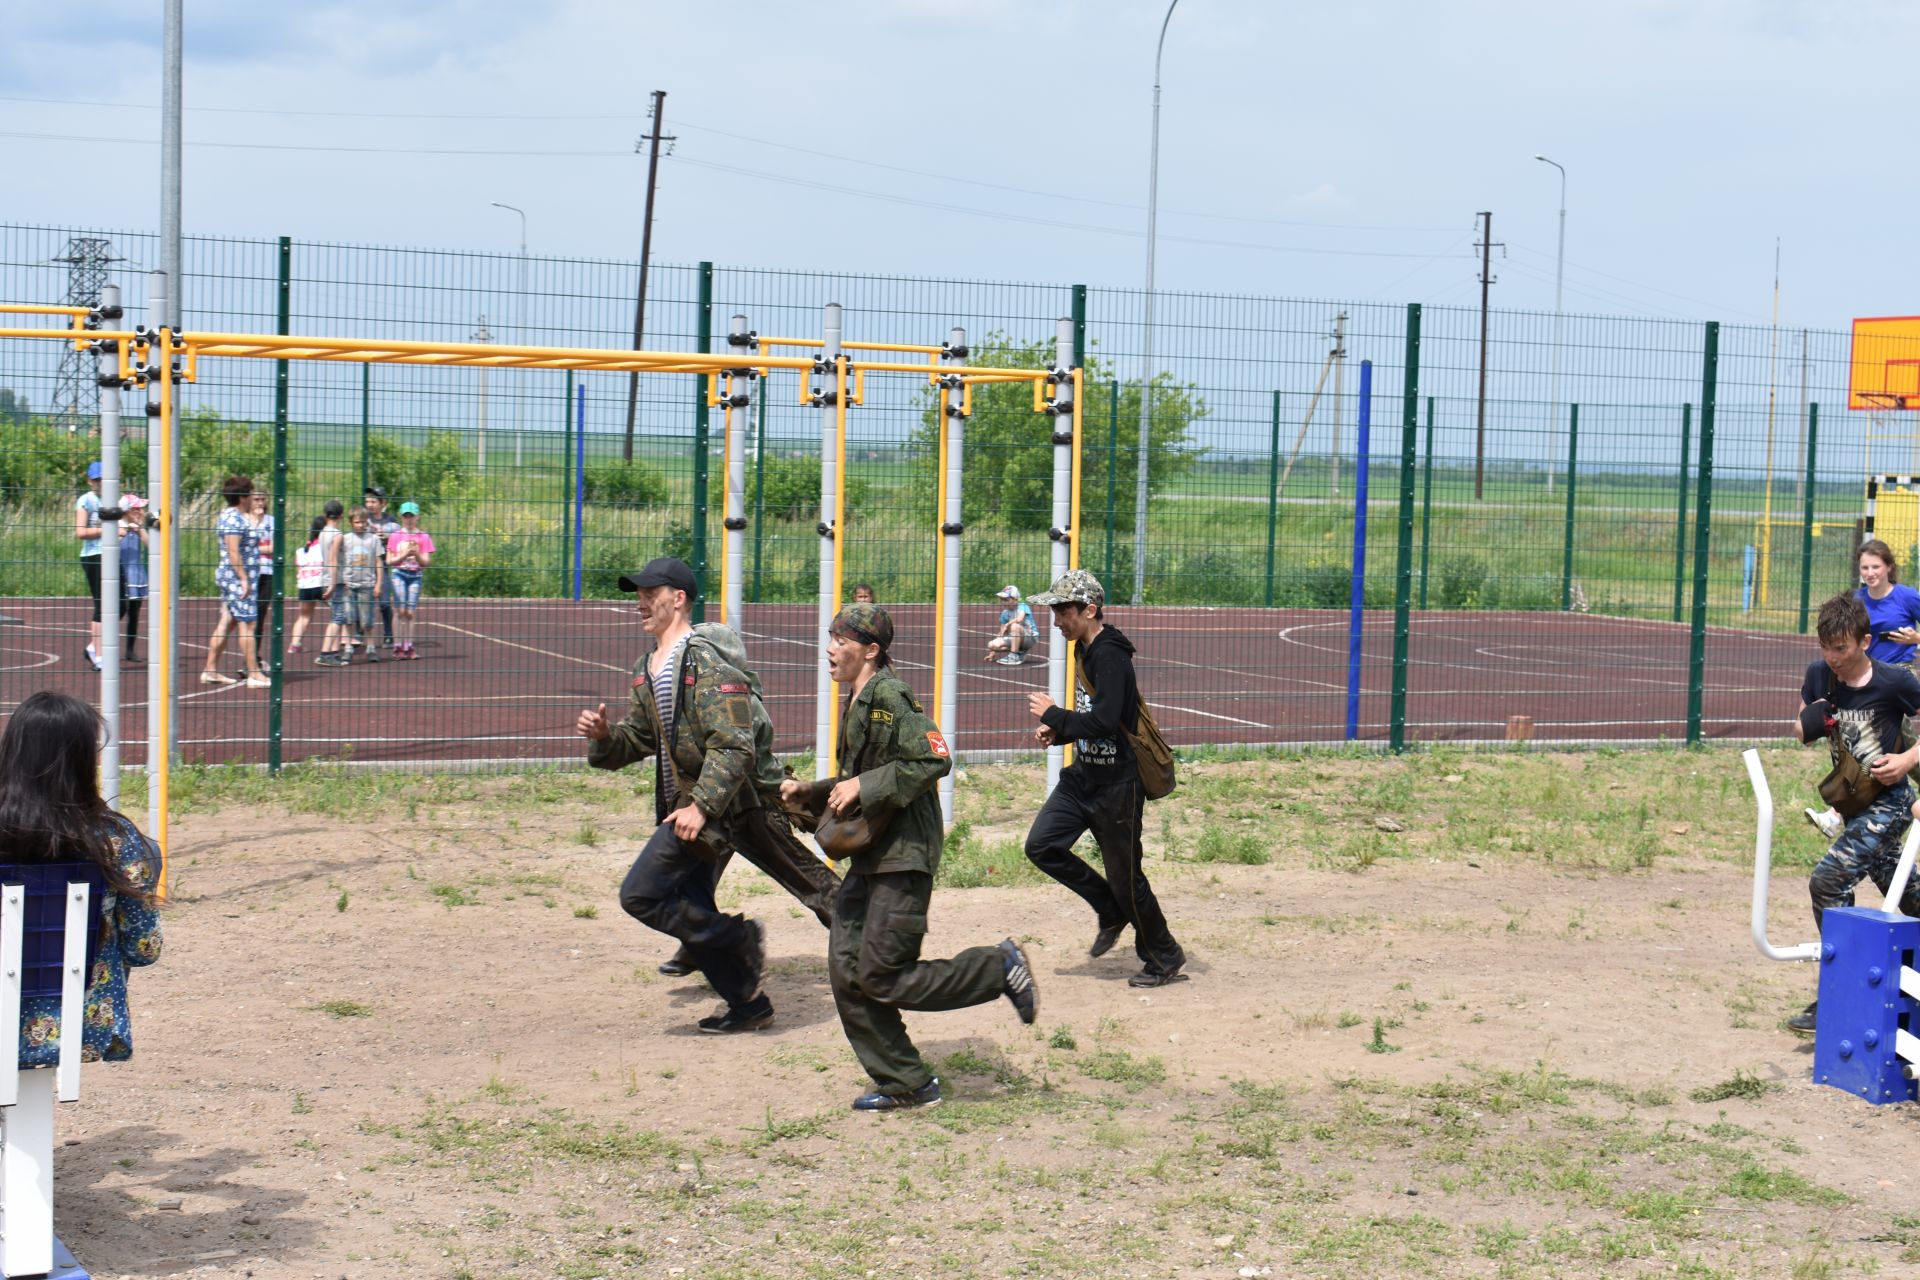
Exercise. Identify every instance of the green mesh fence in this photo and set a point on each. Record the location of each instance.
(1541, 540)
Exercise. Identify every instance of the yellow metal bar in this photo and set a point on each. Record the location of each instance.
(966, 399)
(893, 346)
(859, 386)
(792, 342)
(42, 309)
(939, 556)
(839, 530)
(160, 645)
(726, 484)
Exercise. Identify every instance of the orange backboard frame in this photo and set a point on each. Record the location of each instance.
(1884, 368)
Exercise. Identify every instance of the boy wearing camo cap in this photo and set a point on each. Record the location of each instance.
(890, 755)
(1100, 791)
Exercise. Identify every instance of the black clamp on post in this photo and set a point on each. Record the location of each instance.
(950, 381)
(1059, 535)
(823, 399)
(951, 352)
(735, 523)
(955, 411)
(114, 312)
(1058, 408)
(738, 400)
(825, 529)
(750, 340)
(955, 529)
(1063, 437)
(110, 513)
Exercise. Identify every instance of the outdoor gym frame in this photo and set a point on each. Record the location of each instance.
(832, 380)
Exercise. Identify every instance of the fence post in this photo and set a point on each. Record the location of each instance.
(1680, 527)
(1426, 507)
(703, 330)
(759, 485)
(275, 704)
(566, 485)
(579, 487)
(366, 424)
(1357, 608)
(1403, 555)
(1806, 518)
(1566, 556)
(1273, 494)
(1113, 462)
(1702, 531)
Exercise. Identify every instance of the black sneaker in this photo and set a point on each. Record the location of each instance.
(1103, 941)
(1152, 977)
(927, 1095)
(755, 1015)
(1801, 1024)
(677, 965)
(1020, 989)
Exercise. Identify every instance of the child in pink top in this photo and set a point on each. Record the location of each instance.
(409, 552)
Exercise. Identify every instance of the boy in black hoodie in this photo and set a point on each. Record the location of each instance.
(1100, 791)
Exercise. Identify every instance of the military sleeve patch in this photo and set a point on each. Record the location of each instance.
(691, 677)
(881, 717)
(735, 688)
(937, 744)
(639, 682)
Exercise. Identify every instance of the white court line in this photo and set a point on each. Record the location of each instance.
(514, 644)
(46, 659)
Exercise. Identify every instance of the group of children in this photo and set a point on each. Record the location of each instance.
(374, 562)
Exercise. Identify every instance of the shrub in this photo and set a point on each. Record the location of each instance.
(212, 448)
(793, 489)
(626, 484)
(416, 473)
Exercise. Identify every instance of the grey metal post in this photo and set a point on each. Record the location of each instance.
(826, 397)
(952, 397)
(163, 639)
(734, 519)
(173, 314)
(109, 377)
(1146, 345)
(1062, 530)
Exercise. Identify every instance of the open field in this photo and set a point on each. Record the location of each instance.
(1453, 1014)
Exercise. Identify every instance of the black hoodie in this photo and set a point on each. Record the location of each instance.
(1098, 724)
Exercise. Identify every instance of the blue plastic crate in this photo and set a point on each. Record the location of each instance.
(43, 941)
(1861, 1005)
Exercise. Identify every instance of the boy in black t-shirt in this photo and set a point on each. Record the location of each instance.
(1867, 701)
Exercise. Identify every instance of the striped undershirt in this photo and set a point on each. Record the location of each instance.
(662, 681)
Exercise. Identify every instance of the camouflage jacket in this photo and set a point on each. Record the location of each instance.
(720, 741)
(898, 754)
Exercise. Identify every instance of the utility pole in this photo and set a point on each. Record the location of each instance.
(654, 139)
(481, 335)
(1480, 415)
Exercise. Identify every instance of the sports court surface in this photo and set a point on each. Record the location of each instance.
(504, 679)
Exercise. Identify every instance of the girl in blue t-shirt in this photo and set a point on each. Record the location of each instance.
(1893, 608)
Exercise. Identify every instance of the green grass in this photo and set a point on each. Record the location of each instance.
(343, 1008)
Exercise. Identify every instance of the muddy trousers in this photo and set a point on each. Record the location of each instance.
(1113, 812)
(763, 837)
(1868, 849)
(670, 888)
(879, 922)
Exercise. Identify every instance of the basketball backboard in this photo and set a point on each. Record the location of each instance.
(1885, 371)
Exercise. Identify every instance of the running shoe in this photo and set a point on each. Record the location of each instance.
(1826, 822)
(259, 682)
(755, 1015)
(1020, 989)
(1802, 1023)
(216, 677)
(93, 656)
(927, 1095)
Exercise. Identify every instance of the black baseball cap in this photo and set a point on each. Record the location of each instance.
(663, 572)
(374, 491)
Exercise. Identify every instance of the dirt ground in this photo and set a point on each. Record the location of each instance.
(429, 1043)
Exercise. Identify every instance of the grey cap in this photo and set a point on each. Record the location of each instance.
(1075, 586)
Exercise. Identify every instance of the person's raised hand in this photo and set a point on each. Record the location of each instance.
(593, 724)
(1039, 703)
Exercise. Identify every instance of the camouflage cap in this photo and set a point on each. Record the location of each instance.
(867, 623)
(1075, 586)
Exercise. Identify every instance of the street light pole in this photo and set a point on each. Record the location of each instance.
(1146, 345)
(520, 324)
(1559, 279)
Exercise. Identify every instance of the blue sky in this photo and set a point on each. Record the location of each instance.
(1307, 151)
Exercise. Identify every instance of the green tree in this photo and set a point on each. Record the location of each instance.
(213, 448)
(1009, 447)
(422, 473)
(13, 407)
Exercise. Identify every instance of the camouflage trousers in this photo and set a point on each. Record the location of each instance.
(1868, 849)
